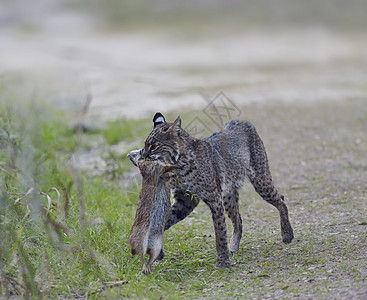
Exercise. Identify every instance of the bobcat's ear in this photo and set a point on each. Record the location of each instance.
(158, 119)
(176, 125)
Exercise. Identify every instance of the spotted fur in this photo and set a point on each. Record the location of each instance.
(213, 169)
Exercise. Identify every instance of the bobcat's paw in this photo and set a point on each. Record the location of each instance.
(288, 237)
(223, 264)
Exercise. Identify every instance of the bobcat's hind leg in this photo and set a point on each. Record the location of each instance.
(230, 201)
(260, 177)
(263, 185)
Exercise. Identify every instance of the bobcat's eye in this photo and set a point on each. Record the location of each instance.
(152, 147)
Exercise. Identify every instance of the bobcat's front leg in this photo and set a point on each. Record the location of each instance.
(220, 228)
(184, 204)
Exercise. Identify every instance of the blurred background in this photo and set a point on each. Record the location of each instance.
(79, 83)
(136, 57)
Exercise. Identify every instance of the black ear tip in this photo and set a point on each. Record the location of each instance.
(158, 119)
(157, 115)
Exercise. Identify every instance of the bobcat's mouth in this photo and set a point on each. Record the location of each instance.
(164, 158)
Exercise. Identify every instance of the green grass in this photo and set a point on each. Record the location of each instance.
(123, 129)
(77, 245)
(143, 15)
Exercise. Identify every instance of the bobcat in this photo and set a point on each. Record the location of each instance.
(212, 170)
(153, 210)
